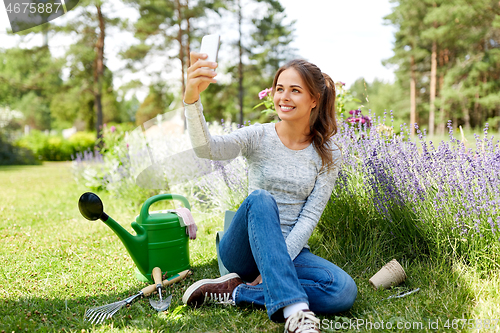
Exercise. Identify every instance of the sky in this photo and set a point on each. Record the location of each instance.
(345, 39)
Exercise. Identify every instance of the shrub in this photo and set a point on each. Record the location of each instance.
(14, 155)
(55, 147)
(82, 141)
(110, 168)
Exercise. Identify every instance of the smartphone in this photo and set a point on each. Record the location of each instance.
(210, 45)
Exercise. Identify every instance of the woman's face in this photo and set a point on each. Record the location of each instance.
(292, 100)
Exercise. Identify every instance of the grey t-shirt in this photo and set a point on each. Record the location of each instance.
(295, 178)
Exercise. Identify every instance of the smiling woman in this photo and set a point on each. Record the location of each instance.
(304, 98)
(294, 103)
(293, 165)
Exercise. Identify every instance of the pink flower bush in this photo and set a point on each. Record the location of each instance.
(357, 117)
(265, 92)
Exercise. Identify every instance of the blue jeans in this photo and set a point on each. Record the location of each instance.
(253, 244)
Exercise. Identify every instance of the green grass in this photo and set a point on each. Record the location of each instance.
(56, 264)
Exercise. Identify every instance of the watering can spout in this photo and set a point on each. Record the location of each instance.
(137, 246)
(91, 207)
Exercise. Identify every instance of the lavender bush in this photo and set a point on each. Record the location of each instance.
(415, 198)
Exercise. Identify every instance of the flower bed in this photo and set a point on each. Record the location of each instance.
(413, 196)
(416, 197)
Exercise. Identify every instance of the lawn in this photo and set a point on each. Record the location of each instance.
(56, 264)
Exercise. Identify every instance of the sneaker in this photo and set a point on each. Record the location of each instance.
(302, 322)
(216, 290)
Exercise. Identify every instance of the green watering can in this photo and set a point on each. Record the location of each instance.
(161, 241)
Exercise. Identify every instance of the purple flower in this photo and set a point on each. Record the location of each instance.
(492, 224)
(113, 128)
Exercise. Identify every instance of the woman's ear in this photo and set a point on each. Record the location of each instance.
(317, 99)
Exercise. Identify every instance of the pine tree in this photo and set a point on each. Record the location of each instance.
(458, 43)
(409, 49)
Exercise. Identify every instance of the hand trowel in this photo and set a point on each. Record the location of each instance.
(162, 304)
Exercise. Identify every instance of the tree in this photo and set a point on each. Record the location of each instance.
(433, 39)
(154, 104)
(166, 25)
(261, 52)
(466, 30)
(271, 38)
(476, 72)
(87, 64)
(379, 97)
(29, 78)
(460, 42)
(409, 50)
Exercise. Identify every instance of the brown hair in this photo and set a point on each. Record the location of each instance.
(323, 124)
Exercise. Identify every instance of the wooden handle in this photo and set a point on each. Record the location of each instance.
(148, 290)
(151, 288)
(157, 275)
(176, 278)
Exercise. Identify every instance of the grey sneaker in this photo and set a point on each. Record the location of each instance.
(215, 290)
(303, 321)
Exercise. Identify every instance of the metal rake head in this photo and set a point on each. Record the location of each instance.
(99, 314)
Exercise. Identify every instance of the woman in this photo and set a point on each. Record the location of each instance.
(293, 165)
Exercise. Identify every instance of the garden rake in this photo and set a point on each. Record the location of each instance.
(99, 314)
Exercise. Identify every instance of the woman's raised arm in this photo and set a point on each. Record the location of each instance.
(198, 76)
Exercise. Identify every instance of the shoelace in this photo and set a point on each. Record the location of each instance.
(302, 322)
(219, 298)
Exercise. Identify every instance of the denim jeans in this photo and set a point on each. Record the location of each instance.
(253, 244)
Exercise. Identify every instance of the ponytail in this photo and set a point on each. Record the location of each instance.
(323, 122)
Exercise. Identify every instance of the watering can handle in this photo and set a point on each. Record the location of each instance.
(165, 196)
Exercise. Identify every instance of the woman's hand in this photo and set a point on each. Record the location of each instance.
(198, 78)
(257, 281)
